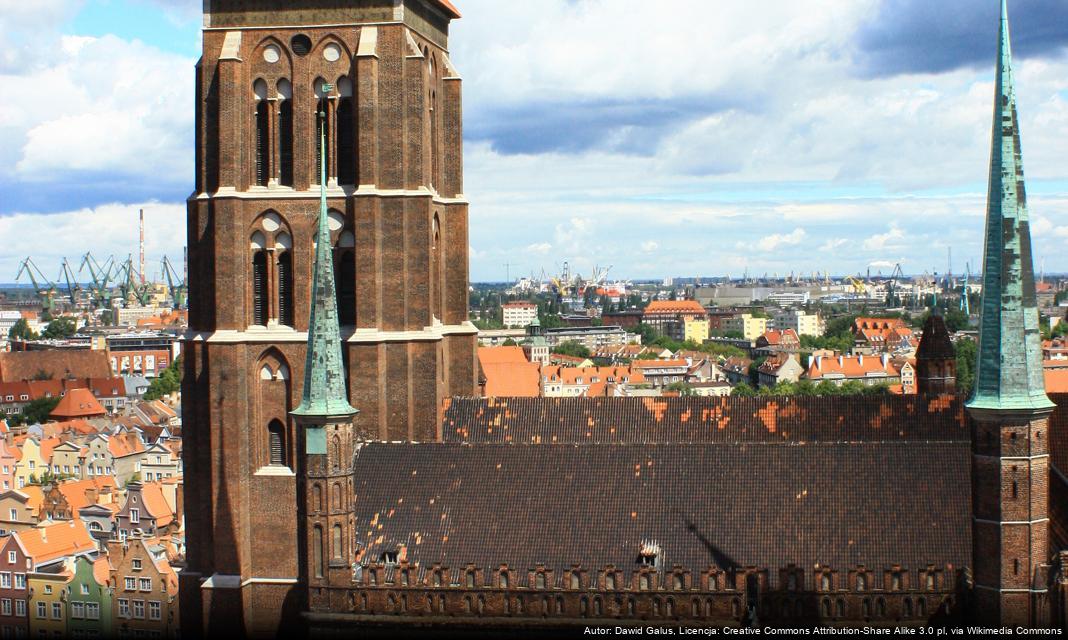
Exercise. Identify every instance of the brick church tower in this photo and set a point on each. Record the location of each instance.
(396, 221)
(1009, 408)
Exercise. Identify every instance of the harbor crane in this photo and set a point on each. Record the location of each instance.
(101, 275)
(177, 292)
(74, 288)
(45, 288)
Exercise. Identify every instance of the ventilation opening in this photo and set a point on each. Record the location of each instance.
(301, 44)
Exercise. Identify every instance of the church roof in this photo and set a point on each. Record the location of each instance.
(729, 419)
(935, 343)
(703, 503)
(1009, 371)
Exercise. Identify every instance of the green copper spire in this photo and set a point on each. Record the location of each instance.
(1009, 372)
(324, 379)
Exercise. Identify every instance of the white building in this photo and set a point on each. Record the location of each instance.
(519, 314)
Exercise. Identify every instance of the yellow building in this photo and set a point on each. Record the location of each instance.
(695, 329)
(751, 328)
(32, 464)
(48, 610)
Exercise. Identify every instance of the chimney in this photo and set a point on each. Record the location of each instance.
(886, 359)
(860, 360)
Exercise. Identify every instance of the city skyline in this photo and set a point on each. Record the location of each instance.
(801, 142)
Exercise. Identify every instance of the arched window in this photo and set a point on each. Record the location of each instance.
(432, 116)
(337, 453)
(346, 134)
(584, 606)
(345, 276)
(263, 133)
(839, 608)
(317, 497)
(921, 607)
(317, 550)
(259, 281)
(339, 551)
(504, 579)
(285, 132)
(539, 580)
(597, 607)
(643, 582)
(865, 608)
(825, 582)
(862, 582)
(825, 608)
(322, 128)
(908, 608)
(276, 443)
(470, 579)
(285, 288)
(575, 582)
(669, 610)
(435, 266)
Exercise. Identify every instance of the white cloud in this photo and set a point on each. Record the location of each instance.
(110, 229)
(776, 241)
(650, 246)
(889, 240)
(118, 107)
(833, 244)
(539, 248)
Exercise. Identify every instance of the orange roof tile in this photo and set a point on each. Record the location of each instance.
(675, 306)
(512, 379)
(102, 570)
(49, 542)
(46, 448)
(78, 403)
(850, 366)
(156, 503)
(75, 492)
(499, 355)
(1056, 380)
(124, 444)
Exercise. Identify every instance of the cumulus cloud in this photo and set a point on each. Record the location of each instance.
(892, 239)
(776, 241)
(650, 246)
(110, 229)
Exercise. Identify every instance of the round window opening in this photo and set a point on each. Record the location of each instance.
(271, 54)
(301, 44)
(332, 53)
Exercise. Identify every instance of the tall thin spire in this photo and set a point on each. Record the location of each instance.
(1009, 372)
(324, 379)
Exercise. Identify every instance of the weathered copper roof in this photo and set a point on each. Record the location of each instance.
(1009, 372)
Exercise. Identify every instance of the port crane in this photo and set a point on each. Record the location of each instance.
(45, 288)
(177, 292)
(74, 288)
(101, 275)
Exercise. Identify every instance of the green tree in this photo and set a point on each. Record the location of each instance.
(743, 390)
(684, 388)
(21, 331)
(551, 321)
(572, 348)
(967, 352)
(646, 331)
(35, 411)
(509, 343)
(61, 327)
(167, 382)
(41, 375)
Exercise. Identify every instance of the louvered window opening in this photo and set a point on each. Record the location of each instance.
(259, 288)
(346, 142)
(276, 444)
(263, 144)
(285, 143)
(285, 289)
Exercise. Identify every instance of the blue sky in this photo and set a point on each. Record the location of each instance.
(762, 135)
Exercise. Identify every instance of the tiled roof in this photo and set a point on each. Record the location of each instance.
(1056, 380)
(78, 403)
(674, 306)
(49, 542)
(595, 505)
(658, 364)
(513, 379)
(57, 363)
(589, 375)
(46, 448)
(499, 355)
(124, 444)
(727, 419)
(75, 492)
(156, 503)
(858, 366)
